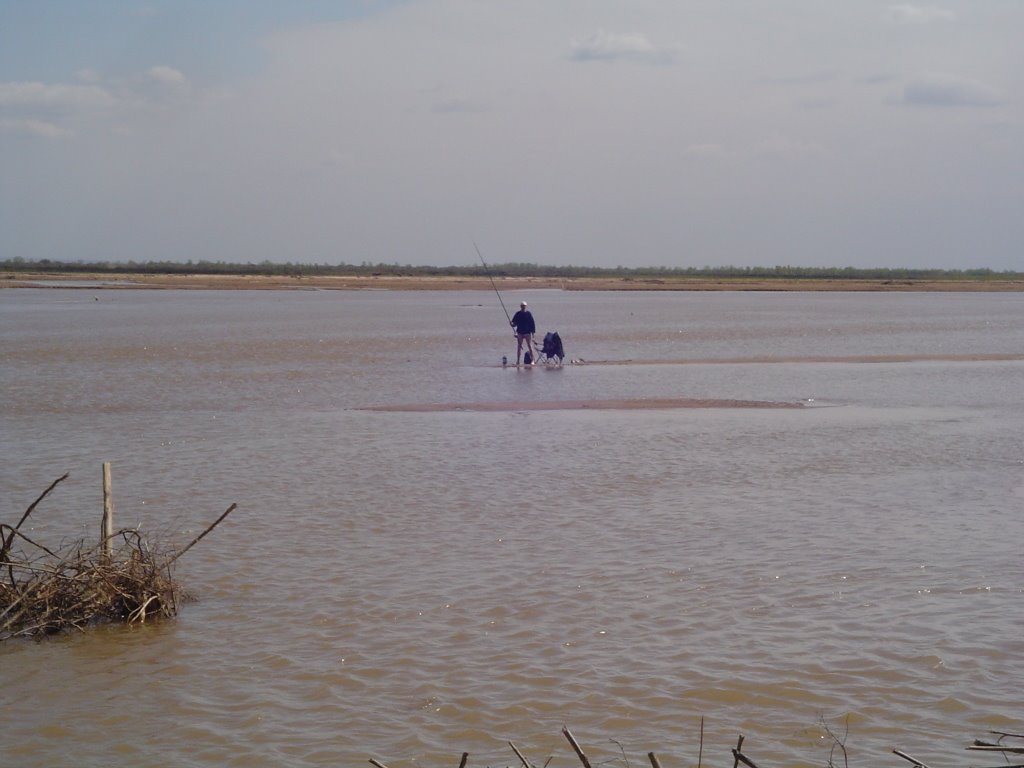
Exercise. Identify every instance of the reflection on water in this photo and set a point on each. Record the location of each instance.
(411, 585)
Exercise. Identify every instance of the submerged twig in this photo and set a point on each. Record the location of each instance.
(837, 742)
(622, 749)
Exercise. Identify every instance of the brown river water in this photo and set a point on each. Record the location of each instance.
(423, 564)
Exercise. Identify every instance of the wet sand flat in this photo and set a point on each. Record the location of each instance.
(767, 360)
(627, 404)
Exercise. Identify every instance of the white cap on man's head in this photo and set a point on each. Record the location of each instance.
(522, 304)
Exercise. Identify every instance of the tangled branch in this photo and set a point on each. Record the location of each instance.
(47, 591)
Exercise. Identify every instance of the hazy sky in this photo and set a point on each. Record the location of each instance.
(587, 132)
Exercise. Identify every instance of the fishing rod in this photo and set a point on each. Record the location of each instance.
(492, 280)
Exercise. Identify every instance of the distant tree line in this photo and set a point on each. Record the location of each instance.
(512, 269)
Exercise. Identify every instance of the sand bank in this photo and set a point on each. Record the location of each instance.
(581, 405)
(99, 281)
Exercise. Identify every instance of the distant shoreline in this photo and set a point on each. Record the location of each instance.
(106, 281)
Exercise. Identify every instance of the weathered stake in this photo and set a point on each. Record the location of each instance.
(700, 753)
(745, 760)
(736, 752)
(107, 529)
(576, 747)
(910, 758)
(523, 760)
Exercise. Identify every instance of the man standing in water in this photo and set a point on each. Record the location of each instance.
(522, 321)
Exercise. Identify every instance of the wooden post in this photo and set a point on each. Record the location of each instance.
(700, 753)
(107, 529)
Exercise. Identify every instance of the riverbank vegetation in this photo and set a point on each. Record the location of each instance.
(202, 275)
(508, 270)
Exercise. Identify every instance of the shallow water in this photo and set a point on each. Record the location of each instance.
(412, 585)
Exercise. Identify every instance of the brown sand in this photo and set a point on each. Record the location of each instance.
(577, 405)
(388, 282)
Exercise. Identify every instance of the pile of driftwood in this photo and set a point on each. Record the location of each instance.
(1006, 744)
(122, 578)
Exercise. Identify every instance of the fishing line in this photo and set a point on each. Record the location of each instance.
(492, 280)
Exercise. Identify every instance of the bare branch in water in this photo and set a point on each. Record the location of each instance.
(209, 528)
(7, 542)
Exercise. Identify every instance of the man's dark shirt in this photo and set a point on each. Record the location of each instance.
(523, 322)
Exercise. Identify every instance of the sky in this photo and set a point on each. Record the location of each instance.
(676, 133)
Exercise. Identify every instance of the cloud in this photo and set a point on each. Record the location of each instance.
(156, 85)
(607, 46)
(937, 90)
(556, 129)
(166, 76)
(41, 95)
(39, 128)
(43, 111)
(916, 14)
(54, 110)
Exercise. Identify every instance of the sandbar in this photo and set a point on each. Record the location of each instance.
(620, 404)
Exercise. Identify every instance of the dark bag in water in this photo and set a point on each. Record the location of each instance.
(527, 358)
